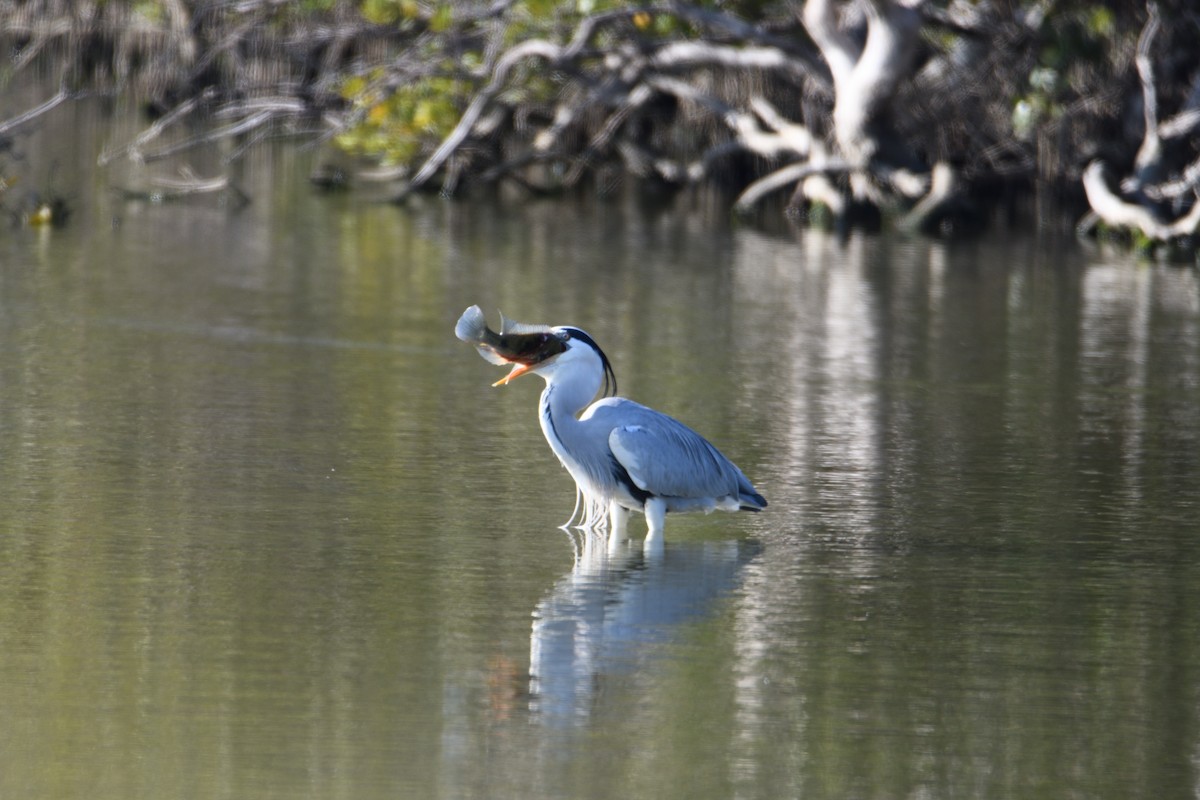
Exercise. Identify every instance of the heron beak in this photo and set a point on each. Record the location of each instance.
(518, 370)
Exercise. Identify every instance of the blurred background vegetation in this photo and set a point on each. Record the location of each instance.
(1017, 96)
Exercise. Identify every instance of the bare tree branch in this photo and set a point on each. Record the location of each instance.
(783, 177)
(534, 48)
(1187, 183)
(693, 54)
(1120, 213)
(942, 187)
(1149, 155)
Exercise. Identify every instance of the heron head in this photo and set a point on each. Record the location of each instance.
(546, 350)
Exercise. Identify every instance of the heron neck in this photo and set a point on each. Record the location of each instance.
(561, 403)
(570, 388)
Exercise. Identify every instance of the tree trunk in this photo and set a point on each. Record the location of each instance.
(865, 80)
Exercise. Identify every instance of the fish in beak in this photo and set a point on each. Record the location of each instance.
(523, 345)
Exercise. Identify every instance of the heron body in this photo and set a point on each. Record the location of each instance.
(622, 455)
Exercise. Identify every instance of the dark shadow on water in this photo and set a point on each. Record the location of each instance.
(611, 613)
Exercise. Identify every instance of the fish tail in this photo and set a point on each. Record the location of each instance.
(472, 327)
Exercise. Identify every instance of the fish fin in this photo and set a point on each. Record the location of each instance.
(507, 326)
(491, 355)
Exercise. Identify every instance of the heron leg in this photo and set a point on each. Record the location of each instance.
(618, 517)
(656, 514)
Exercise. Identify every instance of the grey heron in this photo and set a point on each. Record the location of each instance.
(623, 455)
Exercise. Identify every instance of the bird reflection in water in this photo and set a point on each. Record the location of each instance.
(608, 615)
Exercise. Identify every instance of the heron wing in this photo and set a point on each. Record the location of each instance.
(666, 458)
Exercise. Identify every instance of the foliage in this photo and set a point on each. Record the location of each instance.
(1071, 43)
(394, 125)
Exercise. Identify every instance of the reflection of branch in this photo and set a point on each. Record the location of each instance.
(258, 112)
(133, 149)
(190, 183)
(240, 127)
(35, 112)
(186, 185)
(41, 32)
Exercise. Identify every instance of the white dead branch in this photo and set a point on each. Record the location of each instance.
(1148, 193)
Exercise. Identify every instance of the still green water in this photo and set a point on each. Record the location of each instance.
(267, 531)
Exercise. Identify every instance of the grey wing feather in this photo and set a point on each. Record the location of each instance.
(666, 458)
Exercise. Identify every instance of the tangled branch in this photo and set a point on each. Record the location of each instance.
(904, 108)
(1151, 197)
